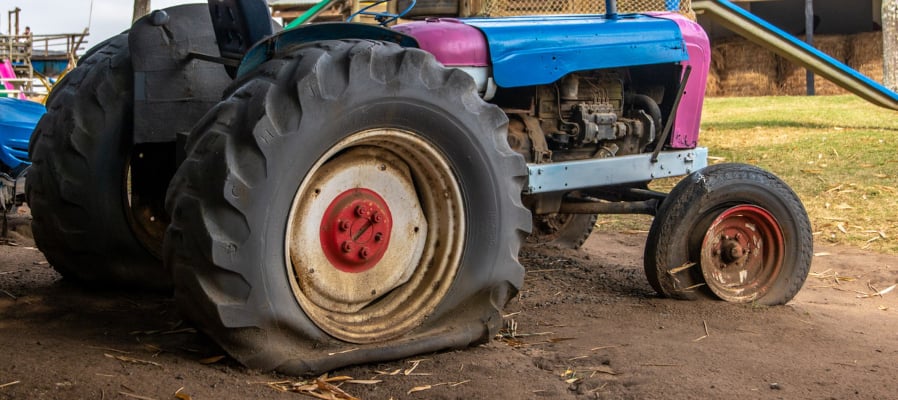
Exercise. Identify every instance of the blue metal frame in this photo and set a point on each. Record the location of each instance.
(539, 50)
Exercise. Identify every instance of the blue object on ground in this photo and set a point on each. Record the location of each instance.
(17, 121)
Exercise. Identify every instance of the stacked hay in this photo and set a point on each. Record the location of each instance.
(745, 69)
(740, 68)
(713, 85)
(866, 54)
(793, 77)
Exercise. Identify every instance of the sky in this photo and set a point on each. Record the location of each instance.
(109, 17)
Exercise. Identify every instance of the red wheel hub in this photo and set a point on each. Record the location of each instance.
(355, 230)
(742, 253)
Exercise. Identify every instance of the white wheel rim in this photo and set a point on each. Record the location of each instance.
(421, 228)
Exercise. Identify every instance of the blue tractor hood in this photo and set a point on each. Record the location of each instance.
(17, 120)
(538, 50)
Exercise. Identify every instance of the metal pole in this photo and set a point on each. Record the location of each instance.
(141, 8)
(809, 38)
(310, 13)
(890, 44)
(611, 9)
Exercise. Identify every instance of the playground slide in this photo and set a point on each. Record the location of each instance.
(7, 72)
(762, 33)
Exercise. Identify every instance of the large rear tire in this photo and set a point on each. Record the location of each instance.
(348, 202)
(732, 232)
(91, 218)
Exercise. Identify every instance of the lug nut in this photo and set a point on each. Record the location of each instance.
(377, 217)
(360, 211)
(345, 225)
(346, 246)
(364, 253)
(378, 237)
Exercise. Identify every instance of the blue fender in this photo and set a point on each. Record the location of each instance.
(289, 39)
(538, 50)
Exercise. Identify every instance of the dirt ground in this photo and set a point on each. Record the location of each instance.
(587, 325)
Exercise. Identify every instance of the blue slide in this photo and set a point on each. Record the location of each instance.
(764, 34)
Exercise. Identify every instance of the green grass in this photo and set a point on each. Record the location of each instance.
(839, 153)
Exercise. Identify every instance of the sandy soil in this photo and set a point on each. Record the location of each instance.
(586, 325)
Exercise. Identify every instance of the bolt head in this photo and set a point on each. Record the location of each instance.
(345, 225)
(361, 211)
(378, 237)
(377, 217)
(364, 253)
(346, 246)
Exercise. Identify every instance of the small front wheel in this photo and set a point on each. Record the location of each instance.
(732, 232)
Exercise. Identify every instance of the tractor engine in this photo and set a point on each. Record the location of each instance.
(584, 115)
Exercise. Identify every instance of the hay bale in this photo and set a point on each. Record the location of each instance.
(866, 54)
(713, 86)
(793, 77)
(748, 69)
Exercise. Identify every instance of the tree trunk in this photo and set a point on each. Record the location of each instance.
(141, 8)
(890, 43)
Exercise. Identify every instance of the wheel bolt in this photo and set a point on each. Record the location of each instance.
(378, 237)
(736, 252)
(360, 211)
(377, 217)
(346, 246)
(364, 253)
(345, 225)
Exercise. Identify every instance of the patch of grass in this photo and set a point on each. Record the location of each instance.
(839, 153)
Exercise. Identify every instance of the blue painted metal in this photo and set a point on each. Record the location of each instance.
(572, 175)
(287, 40)
(539, 50)
(17, 120)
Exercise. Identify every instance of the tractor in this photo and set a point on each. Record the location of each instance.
(344, 193)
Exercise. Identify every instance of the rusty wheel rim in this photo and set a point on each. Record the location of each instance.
(375, 235)
(742, 253)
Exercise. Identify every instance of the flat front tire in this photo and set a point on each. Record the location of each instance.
(732, 232)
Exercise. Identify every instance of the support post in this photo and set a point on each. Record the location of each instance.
(141, 8)
(809, 38)
(611, 9)
(890, 44)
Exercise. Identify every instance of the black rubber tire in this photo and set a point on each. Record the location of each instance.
(566, 231)
(246, 160)
(77, 185)
(676, 235)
